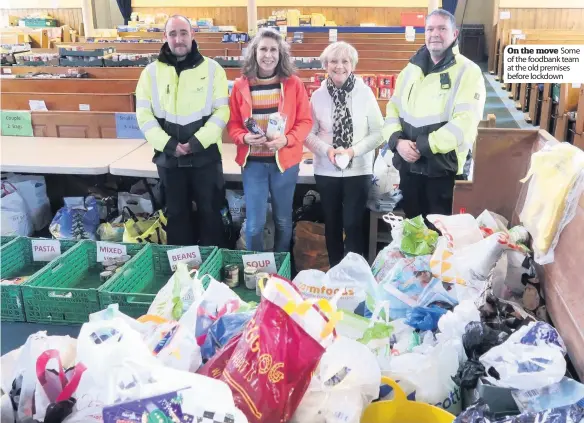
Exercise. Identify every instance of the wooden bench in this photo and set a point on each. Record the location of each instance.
(498, 189)
(74, 124)
(69, 101)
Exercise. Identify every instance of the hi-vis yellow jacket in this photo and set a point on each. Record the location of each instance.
(439, 107)
(183, 102)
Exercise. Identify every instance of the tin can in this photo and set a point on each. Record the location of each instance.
(109, 262)
(261, 276)
(104, 276)
(249, 276)
(231, 272)
(122, 259)
(111, 268)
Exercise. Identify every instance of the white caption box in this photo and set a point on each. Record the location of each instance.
(190, 254)
(265, 262)
(109, 250)
(543, 64)
(45, 249)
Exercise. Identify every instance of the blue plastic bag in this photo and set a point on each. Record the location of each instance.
(222, 331)
(79, 219)
(424, 318)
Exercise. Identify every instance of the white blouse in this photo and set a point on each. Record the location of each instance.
(367, 125)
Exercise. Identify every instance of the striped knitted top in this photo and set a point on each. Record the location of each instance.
(265, 98)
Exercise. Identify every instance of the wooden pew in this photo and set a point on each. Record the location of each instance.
(499, 190)
(100, 73)
(69, 85)
(69, 101)
(74, 124)
(579, 129)
(569, 98)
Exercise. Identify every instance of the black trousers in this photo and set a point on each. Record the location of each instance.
(344, 201)
(205, 186)
(423, 195)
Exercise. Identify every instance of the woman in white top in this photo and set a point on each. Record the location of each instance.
(345, 133)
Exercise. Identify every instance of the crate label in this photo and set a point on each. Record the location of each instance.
(127, 126)
(265, 262)
(6, 70)
(84, 107)
(191, 255)
(45, 249)
(109, 250)
(17, 123)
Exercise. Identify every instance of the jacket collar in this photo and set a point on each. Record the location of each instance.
(423, 60)
(193, 59)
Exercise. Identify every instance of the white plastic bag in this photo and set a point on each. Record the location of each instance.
(385, 178)
(460, 230)
(33, 190)
(138, 204)
(13, 213)
(25, 367)
(345, 382)
(531, 358)
(352, 277)
(177, 295)
(428, 377)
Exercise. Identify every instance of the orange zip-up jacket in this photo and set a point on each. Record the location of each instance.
(293, 103)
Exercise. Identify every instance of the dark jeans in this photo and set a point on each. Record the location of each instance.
(344, 201)
(423, 195)
(205, 186)
(259, 180)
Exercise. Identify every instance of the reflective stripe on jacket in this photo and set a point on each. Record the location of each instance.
(439, 110)
(190, 108)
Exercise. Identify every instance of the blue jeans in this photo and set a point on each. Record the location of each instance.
(259, 179)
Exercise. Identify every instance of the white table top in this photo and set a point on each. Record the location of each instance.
(139, 164)
(80, 156)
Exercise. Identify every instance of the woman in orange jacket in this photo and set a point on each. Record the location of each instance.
(269, 91)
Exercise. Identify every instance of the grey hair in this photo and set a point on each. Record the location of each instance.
(184, 18)
(444, 14)
(285, 67)
(340, 48)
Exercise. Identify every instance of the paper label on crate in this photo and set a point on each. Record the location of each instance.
(410, 34)
(127, 126)
(191, 254)
(505, 14)
(84, 107)
(265, 262)
(37, 105)
(109, 250)
(45, 249)
(6, 70)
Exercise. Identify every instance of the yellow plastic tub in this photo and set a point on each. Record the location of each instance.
(400, 410)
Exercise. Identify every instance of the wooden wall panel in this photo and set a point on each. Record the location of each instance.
(343, 16)
(70, 102)
(71, 17)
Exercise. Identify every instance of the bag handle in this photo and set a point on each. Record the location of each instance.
(41, 367)
(322, 305)
(130, 213)
(398, 393)
(73, 384)
(5, 191)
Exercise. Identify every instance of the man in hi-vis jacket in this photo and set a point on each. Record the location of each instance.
(182, 108)
(431, 120)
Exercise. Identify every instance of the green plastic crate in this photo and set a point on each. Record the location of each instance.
(16, 258)
(65, 291)
(134, 288)
(6, 239)
(224, 257)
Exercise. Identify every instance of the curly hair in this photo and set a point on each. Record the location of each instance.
(285, 67)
